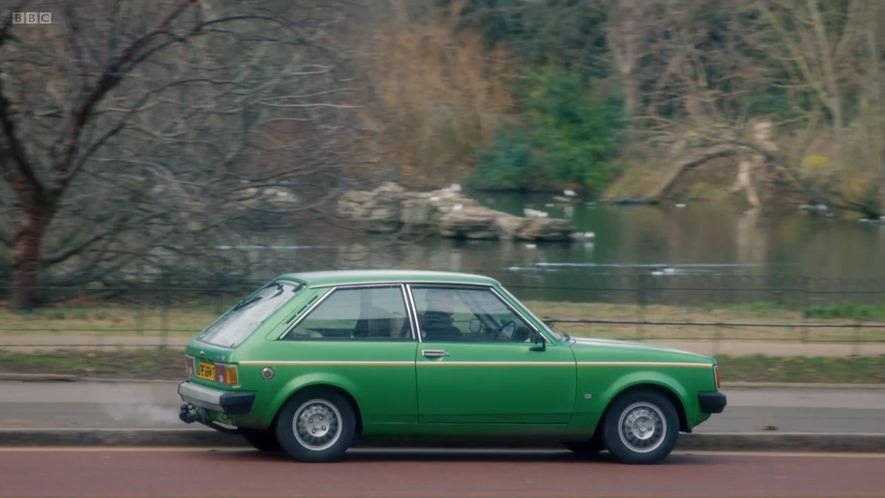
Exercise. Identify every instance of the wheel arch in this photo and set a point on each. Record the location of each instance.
(663, 389)
(299, 386)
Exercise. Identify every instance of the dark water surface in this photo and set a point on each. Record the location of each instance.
(692, 248)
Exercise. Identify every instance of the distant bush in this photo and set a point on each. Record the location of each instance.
(567, 139)
(507, 165)
(847, 310)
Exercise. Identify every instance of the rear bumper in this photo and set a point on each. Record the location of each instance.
(712, 402)
(216, 399)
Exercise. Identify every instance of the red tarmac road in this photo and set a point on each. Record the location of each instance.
(99, 472)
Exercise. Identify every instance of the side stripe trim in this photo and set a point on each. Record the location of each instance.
(480, 363)
(331, 363)
(642, 364)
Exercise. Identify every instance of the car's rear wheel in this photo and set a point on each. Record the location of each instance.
(264, 440)
(641, 427)
(316, 426)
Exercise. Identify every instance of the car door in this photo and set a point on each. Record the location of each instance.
(361, 339)
(477, 361)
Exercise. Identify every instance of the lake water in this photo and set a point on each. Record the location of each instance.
(692, 249)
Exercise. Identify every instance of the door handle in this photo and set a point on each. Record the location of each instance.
(434, 353)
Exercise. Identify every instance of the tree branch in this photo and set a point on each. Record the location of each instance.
(5, 237)
(124, 120)
(66, 149)
(62, 255)
(7, 21)
(14, 163)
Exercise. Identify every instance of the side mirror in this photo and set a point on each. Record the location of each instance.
(538, 343)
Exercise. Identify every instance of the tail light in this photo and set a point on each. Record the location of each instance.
(226, 374)
(718, 378)
(189, 365)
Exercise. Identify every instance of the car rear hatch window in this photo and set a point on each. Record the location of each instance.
(236, 325)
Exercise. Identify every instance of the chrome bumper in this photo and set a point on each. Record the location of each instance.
(215, 399)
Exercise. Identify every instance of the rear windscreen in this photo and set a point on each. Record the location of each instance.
(237, 324)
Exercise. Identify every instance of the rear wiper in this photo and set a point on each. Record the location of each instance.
(279, 287)
(246, 302)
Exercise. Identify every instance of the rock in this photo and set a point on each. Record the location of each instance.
(508, 224)
(551, 229)
(389, 208)
(379, 211)
(469, 224)
(418, 216)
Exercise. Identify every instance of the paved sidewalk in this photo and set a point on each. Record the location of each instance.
(154, 404)
(774, 417)
(48, 342)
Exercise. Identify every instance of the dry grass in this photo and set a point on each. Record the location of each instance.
(108, 319)
(754, 313)
(185, 320)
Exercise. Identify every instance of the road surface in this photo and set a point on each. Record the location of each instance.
(94, 472)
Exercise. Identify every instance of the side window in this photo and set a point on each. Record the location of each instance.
(467, 314)
(363, 314)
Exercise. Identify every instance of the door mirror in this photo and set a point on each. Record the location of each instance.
(538, 343)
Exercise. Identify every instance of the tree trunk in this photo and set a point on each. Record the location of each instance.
(26, 257)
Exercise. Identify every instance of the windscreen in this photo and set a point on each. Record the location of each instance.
(234, 327)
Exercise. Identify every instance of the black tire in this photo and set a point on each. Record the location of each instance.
(324, 411)
(590, 446)
(651, 436)
(263, 440)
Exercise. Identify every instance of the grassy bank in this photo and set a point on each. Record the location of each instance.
(858, 370)
(756, 313)
(185, 320)
(168, 364)
(110, 319)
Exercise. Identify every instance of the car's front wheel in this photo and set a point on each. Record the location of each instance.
(316, 426)
(641, 427)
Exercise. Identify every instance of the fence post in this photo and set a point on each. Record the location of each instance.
(717, 337)
(165, 317)
(855, 346)
(806, 304)
(641, 302)
(139, 310)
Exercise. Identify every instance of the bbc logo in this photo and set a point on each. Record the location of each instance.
(32, 18)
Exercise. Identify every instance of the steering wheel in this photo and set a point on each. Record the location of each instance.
(505, 331)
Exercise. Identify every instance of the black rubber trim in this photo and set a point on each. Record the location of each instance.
(712, 402)
(235, 403)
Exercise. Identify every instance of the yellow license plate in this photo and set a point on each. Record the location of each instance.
(207, 371)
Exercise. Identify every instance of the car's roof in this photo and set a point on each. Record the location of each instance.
(342, 277)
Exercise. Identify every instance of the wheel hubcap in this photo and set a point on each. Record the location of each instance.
(317, 424)
(642, 427)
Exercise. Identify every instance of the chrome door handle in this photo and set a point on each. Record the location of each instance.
(434, 353)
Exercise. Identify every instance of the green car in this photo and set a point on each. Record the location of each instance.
(311, 361)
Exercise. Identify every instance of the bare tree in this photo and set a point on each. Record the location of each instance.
(833, 51)
(130, 130)
(767, 83)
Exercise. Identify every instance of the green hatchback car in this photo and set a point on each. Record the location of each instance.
(311, 361)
